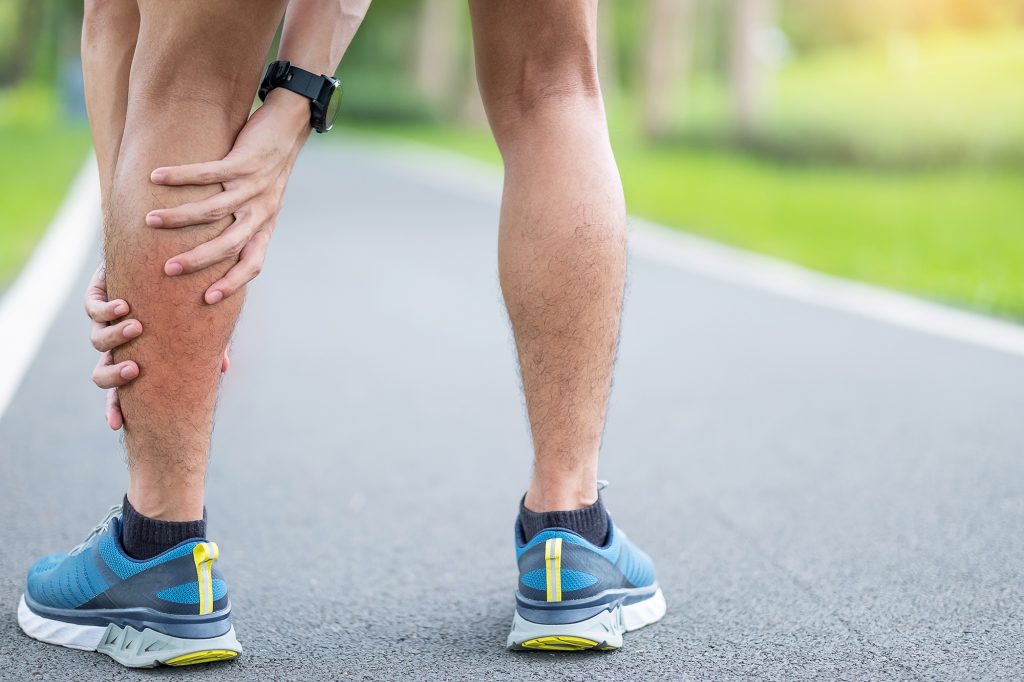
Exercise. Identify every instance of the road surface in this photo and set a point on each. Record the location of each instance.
(826, 496)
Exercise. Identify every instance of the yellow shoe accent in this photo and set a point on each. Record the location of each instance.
(202, 657)
(553, 564)
(204, 554)
(561, 643)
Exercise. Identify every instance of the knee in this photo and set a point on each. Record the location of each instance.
(556, 82)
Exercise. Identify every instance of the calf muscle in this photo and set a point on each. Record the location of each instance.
(194, 74)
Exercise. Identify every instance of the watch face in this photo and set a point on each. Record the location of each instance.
(332, 106)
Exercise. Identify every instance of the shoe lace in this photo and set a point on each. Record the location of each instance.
(100, 528)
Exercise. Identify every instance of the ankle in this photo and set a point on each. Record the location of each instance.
(162, 505)
(564, 496)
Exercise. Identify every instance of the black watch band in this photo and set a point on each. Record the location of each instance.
(323, 92)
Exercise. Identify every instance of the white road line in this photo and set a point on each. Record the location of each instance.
(28, 308)
(735, 266)
(450, 172)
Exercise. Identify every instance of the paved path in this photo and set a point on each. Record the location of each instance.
(826, 496)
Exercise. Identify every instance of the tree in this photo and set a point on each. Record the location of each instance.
(436, 64)
(666, 63)
(747, 69)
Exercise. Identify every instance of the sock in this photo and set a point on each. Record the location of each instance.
(590, 522)
(144, 538)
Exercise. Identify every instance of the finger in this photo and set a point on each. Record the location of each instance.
(109, 375)
(97, 307)
(209, 210)
(225, 363)
(228, 244)
(248, 267)
(105, 337)
(206, 173)
(98, 282)
(102, 311)
(115, 418)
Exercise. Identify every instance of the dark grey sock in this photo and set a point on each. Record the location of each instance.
(590, 522)
(144, 538)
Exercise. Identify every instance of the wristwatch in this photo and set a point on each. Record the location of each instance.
(324, 92)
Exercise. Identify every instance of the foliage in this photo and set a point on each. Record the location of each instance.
(942, 99)
(817, 24)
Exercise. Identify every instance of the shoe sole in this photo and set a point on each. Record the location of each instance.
(126, 645)
(602, 632)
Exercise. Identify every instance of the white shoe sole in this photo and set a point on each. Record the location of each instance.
(128, 646)
(603, 631)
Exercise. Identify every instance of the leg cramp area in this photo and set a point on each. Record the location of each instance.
(193, 78)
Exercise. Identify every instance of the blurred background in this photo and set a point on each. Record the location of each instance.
(881, 140)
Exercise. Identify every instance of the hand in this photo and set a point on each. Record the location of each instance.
(110, 330)
(253, 176)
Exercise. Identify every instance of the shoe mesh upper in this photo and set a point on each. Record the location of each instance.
(636, 566)
(65, 581)
(126, 567)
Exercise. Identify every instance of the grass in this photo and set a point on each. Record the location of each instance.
(38, 159)
(954, 235)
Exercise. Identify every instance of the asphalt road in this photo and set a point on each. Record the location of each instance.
(826, 497)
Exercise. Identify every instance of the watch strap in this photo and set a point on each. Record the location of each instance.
(303, 82)
(281, 74)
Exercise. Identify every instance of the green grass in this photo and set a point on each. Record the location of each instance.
(955, 236)
(38, 158)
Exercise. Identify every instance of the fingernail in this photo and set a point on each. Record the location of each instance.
(132, 330)
(173, 269)
(157, 176)
(121, 309)
(154, 220)
(214, 297)
(127, 372)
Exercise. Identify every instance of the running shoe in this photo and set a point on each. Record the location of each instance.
(574, 595)
(172, 609)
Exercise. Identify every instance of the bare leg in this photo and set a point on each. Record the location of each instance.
(109, 31)
(562, 242)
(193, 77)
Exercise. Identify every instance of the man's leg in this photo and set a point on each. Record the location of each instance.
(562, 262)
(193, 77)
(193, 74)
(562, 243)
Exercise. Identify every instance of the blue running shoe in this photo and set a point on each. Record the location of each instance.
(172, 609)
(574, 595)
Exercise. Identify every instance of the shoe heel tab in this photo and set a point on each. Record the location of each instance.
(553, 568)
(204, 554)
(205, 551)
